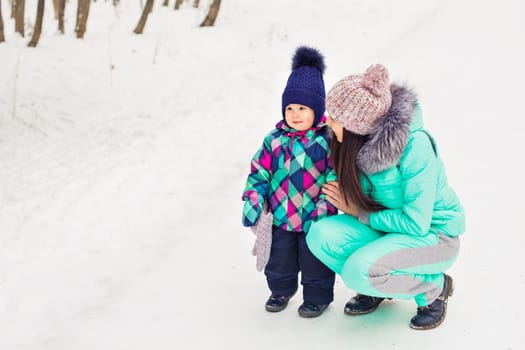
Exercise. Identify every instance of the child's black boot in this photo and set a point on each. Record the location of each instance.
(309, 310)
(276, 303)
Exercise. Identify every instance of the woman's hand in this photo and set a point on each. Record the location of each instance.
(334, 196)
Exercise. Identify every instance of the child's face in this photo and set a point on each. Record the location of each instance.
(299, 117)
(337, 128)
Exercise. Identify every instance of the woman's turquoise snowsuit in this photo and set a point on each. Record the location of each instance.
(402, 251)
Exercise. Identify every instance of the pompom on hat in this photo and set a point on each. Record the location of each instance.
(357, 101)
(305, 84)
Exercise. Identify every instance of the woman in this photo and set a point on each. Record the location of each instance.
(398, 233)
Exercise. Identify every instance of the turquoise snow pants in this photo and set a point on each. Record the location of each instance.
(388, 265)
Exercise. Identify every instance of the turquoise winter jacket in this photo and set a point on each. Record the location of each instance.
(406, 174)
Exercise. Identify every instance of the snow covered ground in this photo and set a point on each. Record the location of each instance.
(123, 158)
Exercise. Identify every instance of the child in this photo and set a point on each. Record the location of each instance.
(287, 173)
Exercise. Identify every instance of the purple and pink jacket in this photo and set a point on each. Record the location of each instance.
(288, 171)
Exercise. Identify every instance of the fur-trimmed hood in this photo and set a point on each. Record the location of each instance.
(389, 134)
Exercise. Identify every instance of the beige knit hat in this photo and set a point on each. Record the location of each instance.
(357, 101)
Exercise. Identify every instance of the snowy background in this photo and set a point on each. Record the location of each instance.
(123, 159)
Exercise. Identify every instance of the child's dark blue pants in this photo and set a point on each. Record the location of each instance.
(289, 255)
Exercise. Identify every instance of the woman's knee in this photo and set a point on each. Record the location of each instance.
(355, 274)
(326, 230)
(339, 235)
(318, 237)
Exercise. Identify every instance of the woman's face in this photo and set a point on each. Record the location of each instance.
(337, 128)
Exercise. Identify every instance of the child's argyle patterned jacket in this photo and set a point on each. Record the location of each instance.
(288, 171)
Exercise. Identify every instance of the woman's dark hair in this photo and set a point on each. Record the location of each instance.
(344, 157)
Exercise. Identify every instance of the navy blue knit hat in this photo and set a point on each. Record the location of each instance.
(305, 85)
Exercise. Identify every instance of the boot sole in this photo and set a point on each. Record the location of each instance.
(365, 312)
(275, 309)
(310, 314)
(359, 313)
(270, 308)
(448, 293)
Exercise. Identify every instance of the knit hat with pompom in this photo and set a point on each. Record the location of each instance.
(357, 101)
(305, 84)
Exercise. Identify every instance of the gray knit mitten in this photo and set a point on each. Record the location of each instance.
(263, 241)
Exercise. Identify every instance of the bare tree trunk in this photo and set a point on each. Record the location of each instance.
(19, 16)
(142, 22)
(82, 17)
(166, 3)
(79, 11)
(177, 4)
(2, 38)
(196, 3)
(61, 10)
(13, 8)
(56, 7)
(38, 24)
(212, 14)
